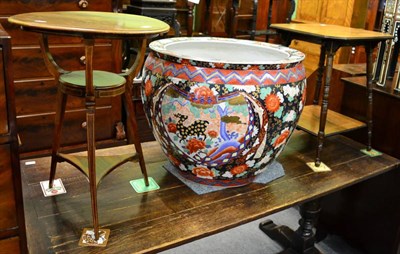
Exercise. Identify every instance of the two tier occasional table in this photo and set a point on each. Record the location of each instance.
(315, 119)
(92, 84)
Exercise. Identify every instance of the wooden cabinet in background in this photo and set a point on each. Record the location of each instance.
(218, 22)
(12, 224)
(35, 88)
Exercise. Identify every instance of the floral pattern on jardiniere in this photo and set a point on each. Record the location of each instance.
(221, 127)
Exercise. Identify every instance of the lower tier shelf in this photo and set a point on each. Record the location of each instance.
(335, 122)
(104, 164)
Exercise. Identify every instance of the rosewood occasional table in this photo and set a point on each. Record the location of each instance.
(92, 84)
(331, 38)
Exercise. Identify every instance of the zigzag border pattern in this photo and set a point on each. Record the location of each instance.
(220, 76)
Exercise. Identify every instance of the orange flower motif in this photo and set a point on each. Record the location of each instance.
(172, 127)
(284, 135)
(185, 62)
(253, 68)
(148, 88)
(239, 169)
(204, 93)
(200, 171)
(212, 134)
(272, 102)
(194, 145)
(219, 65)
(174, 160)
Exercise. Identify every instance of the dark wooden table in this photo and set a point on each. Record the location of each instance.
(174, 214)
(332, 37)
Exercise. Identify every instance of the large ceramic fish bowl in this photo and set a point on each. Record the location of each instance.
(222, 109)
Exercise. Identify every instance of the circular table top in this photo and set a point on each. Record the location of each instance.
(90, 23)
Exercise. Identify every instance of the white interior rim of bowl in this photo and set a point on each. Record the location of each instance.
(247, 52)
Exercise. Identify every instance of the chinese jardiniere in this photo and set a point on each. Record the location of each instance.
(222, 109)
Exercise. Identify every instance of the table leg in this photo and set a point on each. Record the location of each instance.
(303, 239)
(330, 49)
(59, 118)
(131, 117)
(90, 132)
(129, 108)
(189, 19)
(320, 74)
(55, 70)
(369, 51)
(207, 19)
(234, 12)
(90, 116)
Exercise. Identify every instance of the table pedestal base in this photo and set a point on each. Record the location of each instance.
(303, 239)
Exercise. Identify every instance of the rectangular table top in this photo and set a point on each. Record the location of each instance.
(335, 32)
(174, 214)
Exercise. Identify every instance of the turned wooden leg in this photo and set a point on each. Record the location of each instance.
(368, 50)
(59, 118)
(234, 13)
(254, 20)
(320, 74)
(309, 216)
(330, 49)
(207, 19)
(189, 19)
(303, 239)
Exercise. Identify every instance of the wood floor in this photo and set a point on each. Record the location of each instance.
(174, 214)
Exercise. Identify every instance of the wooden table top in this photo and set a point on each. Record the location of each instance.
(331, 31)
(174, 214)
(90, 22)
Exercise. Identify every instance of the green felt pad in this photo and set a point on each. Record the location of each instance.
(100, 79)
(371, 153)
(140, 187)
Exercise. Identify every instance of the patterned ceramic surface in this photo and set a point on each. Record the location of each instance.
(219, 116)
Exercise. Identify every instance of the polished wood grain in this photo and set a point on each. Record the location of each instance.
(386, 115)
(10, 7)
(12, 222)
(174, 214)
(90, 23)
(356, 69)
(68, 57)
(41, 126)
(366, 215)
(3, 103)
(335, 122)
(332, 31)
(8, 220)
(10, 245)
